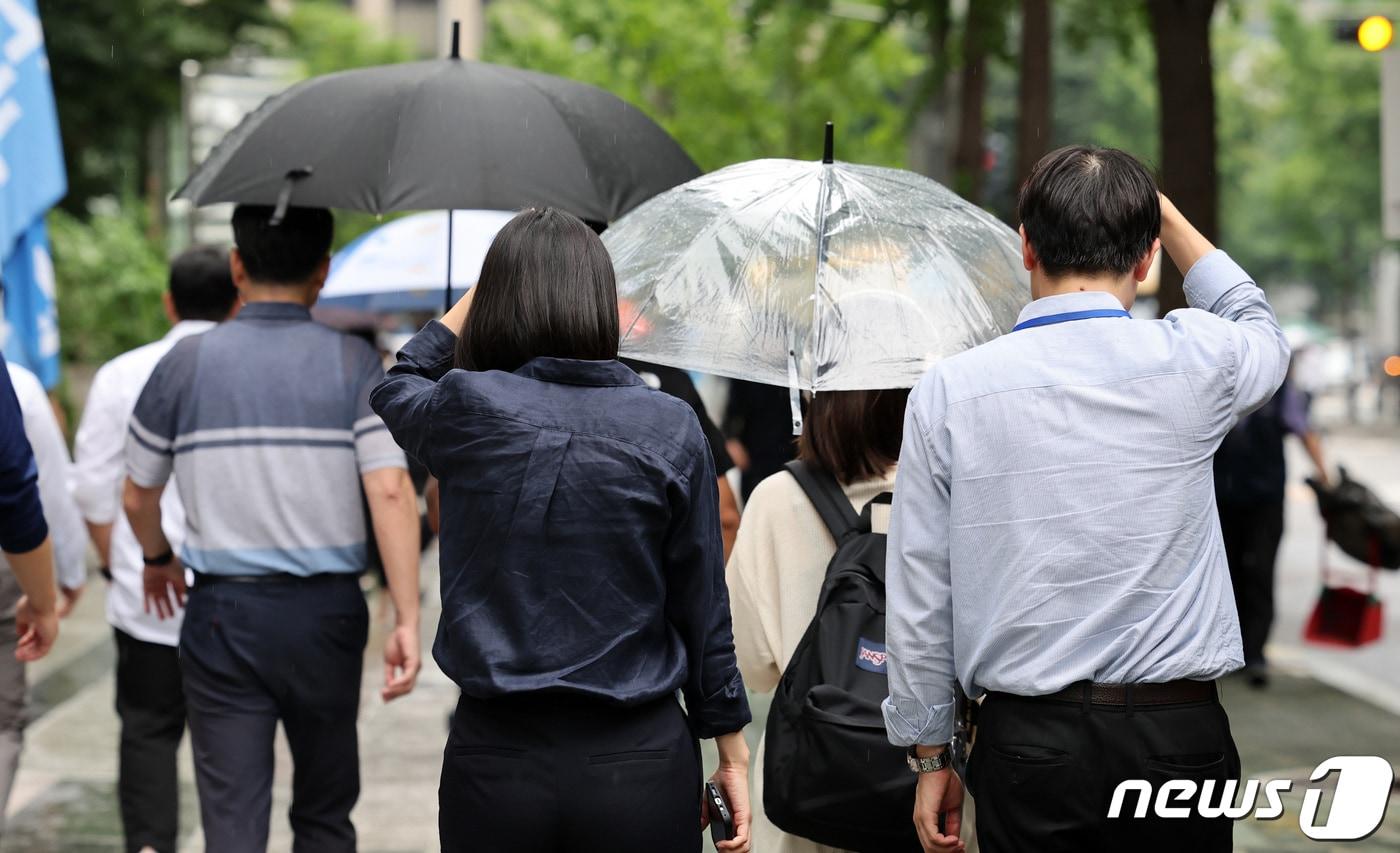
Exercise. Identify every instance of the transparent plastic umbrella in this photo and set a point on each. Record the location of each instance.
(813, 275)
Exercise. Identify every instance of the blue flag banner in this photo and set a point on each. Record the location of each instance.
(29, 327)
(32, 179)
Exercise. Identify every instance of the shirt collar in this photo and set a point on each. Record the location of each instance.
(574, 371)
(274, 311)
(185, 328)
(1064, 303)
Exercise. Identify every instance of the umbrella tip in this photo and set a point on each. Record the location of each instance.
(456, 40)
(829, 150)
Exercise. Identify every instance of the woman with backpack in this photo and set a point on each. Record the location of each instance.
(582, 565)
(780, 558)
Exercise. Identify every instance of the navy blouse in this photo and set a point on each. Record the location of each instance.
(580, 542)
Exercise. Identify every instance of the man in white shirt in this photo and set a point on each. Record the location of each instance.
(150, 699)
(69, 550)
(1054, 542)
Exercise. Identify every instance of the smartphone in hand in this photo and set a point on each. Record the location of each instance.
(721, 818)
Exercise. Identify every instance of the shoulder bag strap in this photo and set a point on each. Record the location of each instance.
(828, 498)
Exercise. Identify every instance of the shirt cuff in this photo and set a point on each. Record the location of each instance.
(432, 350)
(908, 723)
(1212, 277)
(722, 712)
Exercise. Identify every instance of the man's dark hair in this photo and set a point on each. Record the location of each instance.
(285, 253)
(547, 288)
(201, 285)
(1090, 211)
(855, 435)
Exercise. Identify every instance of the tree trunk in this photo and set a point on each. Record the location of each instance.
(969, 165)
(1186, 91)
(1033, 123)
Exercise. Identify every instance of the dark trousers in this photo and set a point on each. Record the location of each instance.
(151, 705)
(1252, 535)
(256, 653)
(1043, 773)
(554, 774)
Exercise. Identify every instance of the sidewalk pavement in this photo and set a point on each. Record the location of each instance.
(65, 799)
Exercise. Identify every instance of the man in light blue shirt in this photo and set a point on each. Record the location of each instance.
(1054, 542)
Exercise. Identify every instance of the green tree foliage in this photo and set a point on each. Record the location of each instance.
(1300, 154)
(324, 37)
(116, 75)
(727, 91)
(111, 277)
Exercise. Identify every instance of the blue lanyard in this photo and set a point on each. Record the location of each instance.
(1051, 319)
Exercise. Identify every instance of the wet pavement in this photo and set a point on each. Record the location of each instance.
(1320, 704)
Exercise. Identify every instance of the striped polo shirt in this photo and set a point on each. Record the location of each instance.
(265, 423)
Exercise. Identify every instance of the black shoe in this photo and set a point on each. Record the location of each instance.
(1258, 675)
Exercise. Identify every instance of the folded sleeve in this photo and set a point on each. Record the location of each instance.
(22, 525)
(697, 601)
(918, 584)
(405, 399)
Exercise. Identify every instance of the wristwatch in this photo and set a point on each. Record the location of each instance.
(159, 560)
(928, 765)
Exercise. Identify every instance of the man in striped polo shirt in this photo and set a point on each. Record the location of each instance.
(265, 423)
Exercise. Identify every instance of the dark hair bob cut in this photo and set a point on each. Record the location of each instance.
(547, 288)
(854, 435)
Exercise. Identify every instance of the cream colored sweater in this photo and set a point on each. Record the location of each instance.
(775, 575)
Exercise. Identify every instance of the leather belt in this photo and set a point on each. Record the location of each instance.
(1180, 692)
(208, 579)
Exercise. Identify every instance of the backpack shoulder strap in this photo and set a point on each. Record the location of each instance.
(829, 500)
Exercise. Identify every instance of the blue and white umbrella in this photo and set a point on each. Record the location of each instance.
(401, 266)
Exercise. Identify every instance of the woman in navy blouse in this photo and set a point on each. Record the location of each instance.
(582, 565)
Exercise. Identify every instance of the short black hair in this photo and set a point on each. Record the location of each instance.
(1090, 211)
(285, 253)
(547, 288)
(201, 285)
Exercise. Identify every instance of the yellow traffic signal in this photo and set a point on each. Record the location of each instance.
(1375, 33)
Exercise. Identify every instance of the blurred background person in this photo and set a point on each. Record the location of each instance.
(758, 421)
(24, 534)
(582, 567)
(70, 563)
(1250, 480)
(150, 699)
(780, 558)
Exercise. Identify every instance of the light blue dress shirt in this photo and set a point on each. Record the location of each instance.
(1054, 517)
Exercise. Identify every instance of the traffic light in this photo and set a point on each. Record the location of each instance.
(1373, 34)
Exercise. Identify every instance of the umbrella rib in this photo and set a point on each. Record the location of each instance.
(405, 102)
(818, 286)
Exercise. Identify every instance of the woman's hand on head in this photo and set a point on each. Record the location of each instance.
(456, 317)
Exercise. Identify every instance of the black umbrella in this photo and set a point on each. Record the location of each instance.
(443, 134)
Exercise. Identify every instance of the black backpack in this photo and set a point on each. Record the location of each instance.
(829, 773)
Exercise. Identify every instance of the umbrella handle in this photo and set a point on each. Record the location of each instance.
(794, 393)
(447, 296)
(284, 195)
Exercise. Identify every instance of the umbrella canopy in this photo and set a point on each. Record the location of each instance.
(443, 134)
(402, 265)
(813, 275)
